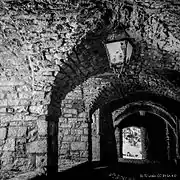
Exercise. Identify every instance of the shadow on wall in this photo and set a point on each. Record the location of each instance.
(86, 60)
(58, 93)
(108, 150)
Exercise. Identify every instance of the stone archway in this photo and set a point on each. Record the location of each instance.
(146, 81)
(89, 59)
(149, 107)
(118, 95)
(115, 88)
(167, 126)
(147, 111)
(66, 46)
(86, 60)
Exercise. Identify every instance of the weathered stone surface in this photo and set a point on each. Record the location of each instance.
(9, 145)
(70, 111)
(11, 83)
(66, 131)
(85, 131)
(40, 109)
(68, 115)
(29, 175)
(25, 95)
(39, 146)
(41, 161)
(78, 146)
(64, 152)
(84, 154)
(23, 164)
(37, 54)
(75, 155)
(3, 132)
(20, 147)
(76, 131)
(69, 138)
(5, 118)
(18, 116)
(3, 103)
(16, 123)
(7, 159)
(42, 127)
(65, 145)
(84, 138)
(65, 125)
(2, 95)
(2, 109)
(31, 118)
(96, 148)
(4, 124)
(17, 131)
(82, 115)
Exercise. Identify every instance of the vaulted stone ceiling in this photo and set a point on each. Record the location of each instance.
(50, 47)
(47, 43)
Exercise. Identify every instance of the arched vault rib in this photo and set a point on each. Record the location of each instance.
(89, 59)
(120, 88)
(121, 115)
(86, 60)
(147, 107)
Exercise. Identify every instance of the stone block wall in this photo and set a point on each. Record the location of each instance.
(37, 46)
(96, 132)
(73, 140)
(73, 130)
(30, 49)
(23, 128)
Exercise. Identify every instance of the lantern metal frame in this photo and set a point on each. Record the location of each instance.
(112, 39)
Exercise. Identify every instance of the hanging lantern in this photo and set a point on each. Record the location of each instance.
(119, 51)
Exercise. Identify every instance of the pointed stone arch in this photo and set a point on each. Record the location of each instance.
(157, 110)
(148, 86)
(89, 59)
(85, 60)
(146, 81)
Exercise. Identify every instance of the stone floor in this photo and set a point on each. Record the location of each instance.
(16, 175)
(96, 171)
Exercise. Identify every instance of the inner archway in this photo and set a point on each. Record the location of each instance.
(156, 126)
(144, 138)
(132, 143)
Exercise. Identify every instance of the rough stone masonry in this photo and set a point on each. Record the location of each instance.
(50, 55)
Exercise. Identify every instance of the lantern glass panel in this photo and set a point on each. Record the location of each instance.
(128, 52)
(116, 52)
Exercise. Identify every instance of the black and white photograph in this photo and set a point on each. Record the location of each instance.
(89, 89)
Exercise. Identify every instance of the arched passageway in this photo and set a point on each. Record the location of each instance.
(46, 53)
(158, 126)
(113, 92)
(154, 136)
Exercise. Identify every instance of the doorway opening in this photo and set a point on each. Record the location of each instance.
(132, 143)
